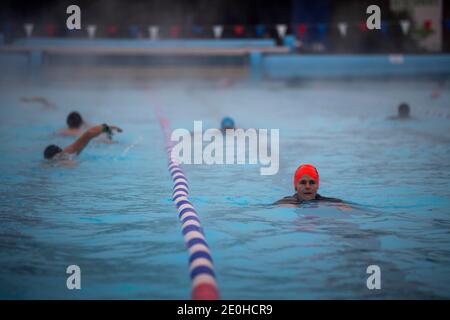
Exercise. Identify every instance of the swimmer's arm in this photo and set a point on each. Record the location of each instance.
(83, 141)
(86, 137)
(45, 102)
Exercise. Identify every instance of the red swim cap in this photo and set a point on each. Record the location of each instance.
(306, 169)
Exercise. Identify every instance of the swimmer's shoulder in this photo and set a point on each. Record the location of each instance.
(288, 200)
(328, 199)
(69, 132)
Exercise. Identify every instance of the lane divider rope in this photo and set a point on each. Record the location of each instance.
(201, 267)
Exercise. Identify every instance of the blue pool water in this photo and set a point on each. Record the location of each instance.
(111, 213)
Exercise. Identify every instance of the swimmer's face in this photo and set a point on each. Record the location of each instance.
(307, 187)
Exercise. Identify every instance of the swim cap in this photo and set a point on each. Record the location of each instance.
(227, 123)
(51, 150)
(74, 120)
(306, 169)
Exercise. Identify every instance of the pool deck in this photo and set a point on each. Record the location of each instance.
(264, 59)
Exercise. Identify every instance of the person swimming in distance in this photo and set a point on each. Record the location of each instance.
(227, 123)
(403, 112)
(54, 152)
(39, 100)
(306, 184)
(74, 123)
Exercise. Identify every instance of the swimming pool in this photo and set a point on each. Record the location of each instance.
(112, 213)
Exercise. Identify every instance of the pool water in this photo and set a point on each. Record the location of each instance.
(110, 211)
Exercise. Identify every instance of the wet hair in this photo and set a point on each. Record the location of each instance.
(74, 120)
(227, 123)
(51, 151)
(403, 110)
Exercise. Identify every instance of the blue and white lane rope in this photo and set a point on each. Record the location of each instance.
(201, 267)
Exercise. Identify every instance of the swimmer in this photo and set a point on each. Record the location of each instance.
(403, 113)
(41, 100)
(227, 123)
(306, 184)
(74, 122)
(54, 152)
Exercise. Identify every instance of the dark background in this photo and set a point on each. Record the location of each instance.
(186, 14)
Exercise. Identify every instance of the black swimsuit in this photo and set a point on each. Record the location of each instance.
(295, 200)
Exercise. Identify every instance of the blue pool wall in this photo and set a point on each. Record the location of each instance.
(261, 66)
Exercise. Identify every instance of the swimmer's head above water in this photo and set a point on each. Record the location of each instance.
(74, 120)
(227, 123)
(51, 151)
(403, 110)
(306, 182)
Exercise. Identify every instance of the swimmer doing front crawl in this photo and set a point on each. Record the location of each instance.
(54, 152)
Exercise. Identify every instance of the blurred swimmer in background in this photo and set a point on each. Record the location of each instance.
(74, 125)
(54, 152)
(403, 113)
(39, 100)
(227, 123)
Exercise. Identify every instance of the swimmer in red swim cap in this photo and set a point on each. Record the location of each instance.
(306, 182)
(306, 185)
